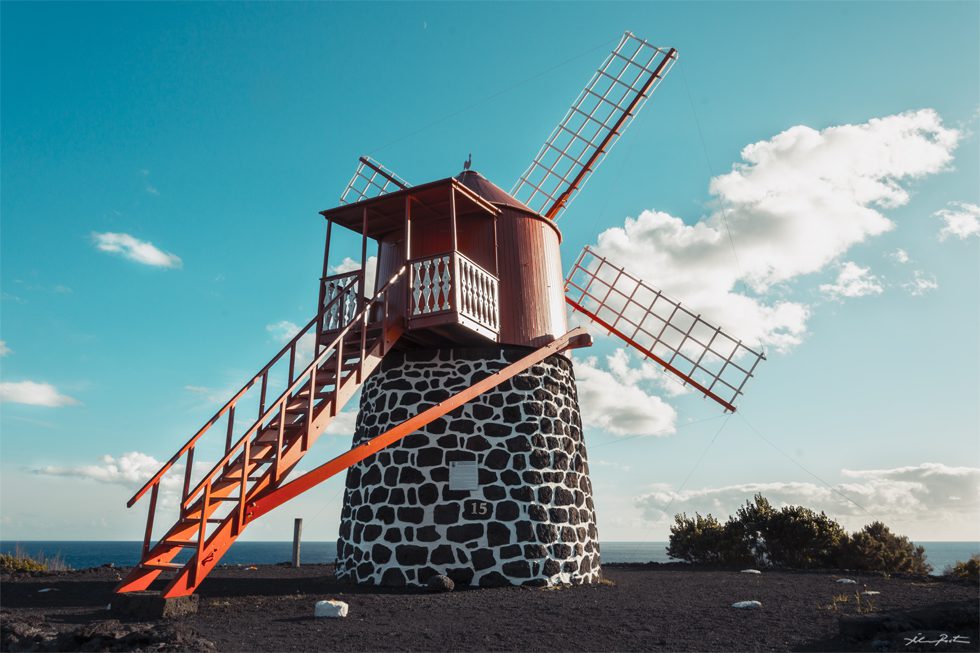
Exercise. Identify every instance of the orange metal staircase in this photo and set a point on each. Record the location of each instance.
(212, 512)
(248, 481)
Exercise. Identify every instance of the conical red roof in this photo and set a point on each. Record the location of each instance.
(490, 191)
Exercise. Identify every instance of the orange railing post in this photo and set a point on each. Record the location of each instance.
(149, 519)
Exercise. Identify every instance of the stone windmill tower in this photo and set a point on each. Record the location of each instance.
(468, 458)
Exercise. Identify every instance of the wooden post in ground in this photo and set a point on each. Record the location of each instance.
(297, 534)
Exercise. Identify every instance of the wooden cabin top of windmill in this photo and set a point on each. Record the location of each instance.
(386, 213)
(482, 265)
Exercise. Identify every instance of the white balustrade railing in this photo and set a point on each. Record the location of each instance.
(431, 285)
(478, 294)
(341, 299)
(452, 283)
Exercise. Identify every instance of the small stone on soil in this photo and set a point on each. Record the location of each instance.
(441, 584)
(330, 609)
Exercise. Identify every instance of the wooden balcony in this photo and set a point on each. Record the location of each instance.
(449, 290)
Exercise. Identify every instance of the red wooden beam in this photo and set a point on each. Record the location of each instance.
(382, 172)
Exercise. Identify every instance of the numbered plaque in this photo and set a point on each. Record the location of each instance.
(463, 475)
(477, 509)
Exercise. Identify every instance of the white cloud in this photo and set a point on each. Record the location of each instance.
(795, 203)
(608, 463)
(283, 331)
(342, 424)
(370, 271)
(899, 256)
(135, 250)
(132, 470)
(34, 394)
(920, 284)
(214, 396)
(852, 281)
(4, 349)
(618, 406)
(620, 365)
(930, 492)
(961, 220)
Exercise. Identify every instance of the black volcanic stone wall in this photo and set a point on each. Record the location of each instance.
(401, 524)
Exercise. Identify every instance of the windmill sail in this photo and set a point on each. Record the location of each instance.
(602, 112)
(698, 353)
(371, 179)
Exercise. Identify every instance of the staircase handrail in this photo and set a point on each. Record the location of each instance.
(156, 478)
(308, 373)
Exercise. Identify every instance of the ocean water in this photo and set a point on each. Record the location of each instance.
(80, 555)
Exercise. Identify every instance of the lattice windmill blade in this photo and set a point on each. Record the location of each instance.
(698, 353)
(371, 179)
(600, 115)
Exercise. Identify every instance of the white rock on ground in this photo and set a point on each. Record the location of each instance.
(746, 604)
(750, 571)
(871, 593)
(331, 609)
(846, 581)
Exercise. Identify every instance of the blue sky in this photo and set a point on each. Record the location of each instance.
(215, 132)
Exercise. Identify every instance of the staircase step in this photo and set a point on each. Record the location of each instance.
(270, 434)
(232, 480)
(161, 565)
(187, 544)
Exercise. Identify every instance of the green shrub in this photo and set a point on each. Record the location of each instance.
(965, 569)
(10, 563)
(19, 561)
(699, 539)
(794, 537)
(876, 548)
(800, 538)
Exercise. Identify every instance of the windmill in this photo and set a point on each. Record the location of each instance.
(468, 456)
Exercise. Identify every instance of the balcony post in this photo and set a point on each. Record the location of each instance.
(408, 227)
(364, 224)
(453, 270)
(496, 260)
(408, 256)
(323, 290)
(452, 216)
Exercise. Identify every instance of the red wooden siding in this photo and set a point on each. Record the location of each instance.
(532, 301)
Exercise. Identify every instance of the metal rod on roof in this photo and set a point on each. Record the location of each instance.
(381, 172)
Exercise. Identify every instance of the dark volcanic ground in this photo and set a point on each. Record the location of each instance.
(640, 607)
